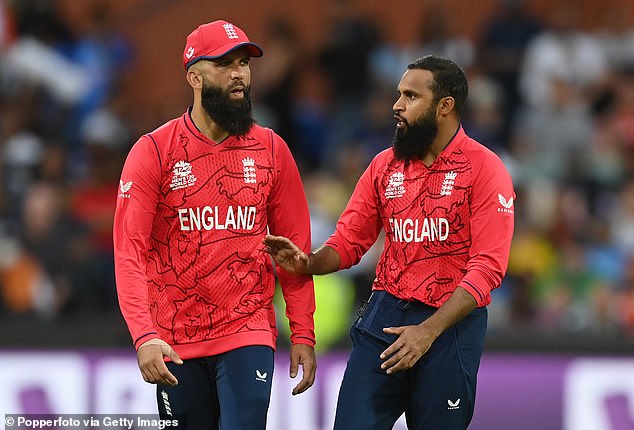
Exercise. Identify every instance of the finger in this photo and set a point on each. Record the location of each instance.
(393, 360)
(146, 366)
(292, 371)
(308, 379)
(173, 355)
(399, 365)
(301, 387)
(395, 347)
(276, 241)
(167, 377)
(275, 247)
(279, 243)
(397, 362)
(154, 375)
(162, 375)
(271, 238)
(271, 250)
(147, 377)
(394, 330)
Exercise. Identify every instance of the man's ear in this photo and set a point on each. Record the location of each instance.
(446, 105)
(194, 78)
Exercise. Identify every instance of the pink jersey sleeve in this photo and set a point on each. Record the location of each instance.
(135, 210)
(289, 216)
(360, 223)
(492, 223)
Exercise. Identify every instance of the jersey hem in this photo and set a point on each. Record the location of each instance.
(224, 344)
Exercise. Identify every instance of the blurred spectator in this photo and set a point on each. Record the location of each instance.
(438, 35)
(615, 143)
(562, 55)
(37, 55)
(277, 80)
(93, 195)
(622, 220)
(625, 300)
(38, 265)
(103, 55)
(21, 152)
(7, 30)
(505, 36)
(532, 256)
(45, 228)
(24, 286)
(551, 138)
(345, 59)
(616, 35)
(484, 113)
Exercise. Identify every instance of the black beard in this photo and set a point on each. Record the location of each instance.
(233, 116)
(414, 140)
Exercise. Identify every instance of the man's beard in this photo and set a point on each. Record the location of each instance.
(233, 116)
(413, 141)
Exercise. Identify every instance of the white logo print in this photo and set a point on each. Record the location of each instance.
(248, 167)
(166, 403)
(259, 376)
(447, 184)
(395, 186)
(231, 32)
(190, 52)
(453, 405)
(124, 188)
(507, 205)
(183, 176)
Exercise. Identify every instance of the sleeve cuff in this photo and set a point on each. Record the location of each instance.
(473, 284)
(303, 340)
(345, 261)
(144, 338)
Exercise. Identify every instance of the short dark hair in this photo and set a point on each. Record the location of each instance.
(449, 79)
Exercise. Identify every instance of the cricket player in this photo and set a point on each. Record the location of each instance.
(197, 196)
(446, 204)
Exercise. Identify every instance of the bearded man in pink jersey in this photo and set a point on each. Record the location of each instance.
(445, 203)
(197, 197)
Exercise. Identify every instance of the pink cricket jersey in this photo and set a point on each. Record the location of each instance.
(447, 225)
(190, 218)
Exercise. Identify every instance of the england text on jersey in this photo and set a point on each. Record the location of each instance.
(211, 218)
(415, 230)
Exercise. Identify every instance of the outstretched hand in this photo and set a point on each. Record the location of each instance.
(286, 254)
(151, 364)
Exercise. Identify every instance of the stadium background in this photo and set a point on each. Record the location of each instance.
(552, 92)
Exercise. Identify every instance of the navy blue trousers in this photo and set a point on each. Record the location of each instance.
(229, 391)
(438, 393)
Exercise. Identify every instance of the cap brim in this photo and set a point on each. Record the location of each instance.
(254, 51)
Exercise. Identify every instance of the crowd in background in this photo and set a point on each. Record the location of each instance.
(553, 100)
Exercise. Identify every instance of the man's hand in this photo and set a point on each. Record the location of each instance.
(415, 340)
(286, 254)
(150, 358)
(303, 355)
(412, 343)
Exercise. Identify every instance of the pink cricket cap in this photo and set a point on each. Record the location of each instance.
(215, 39)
